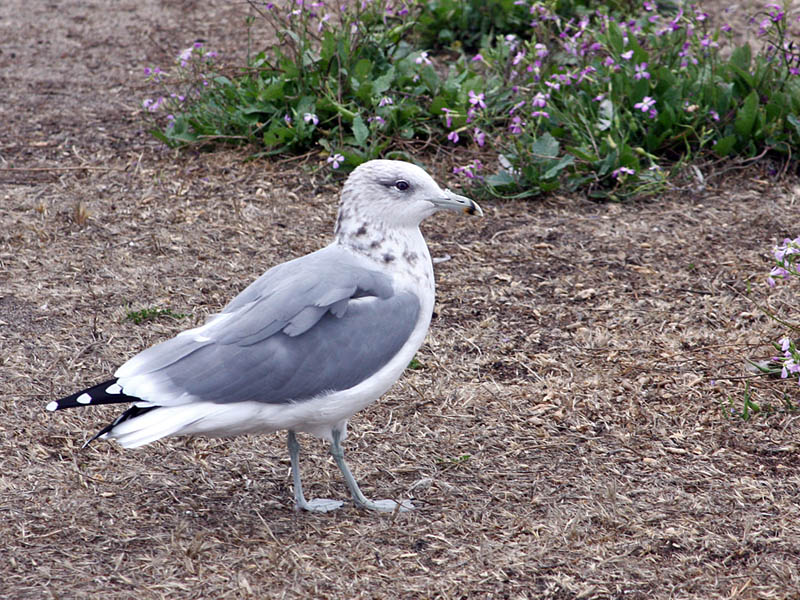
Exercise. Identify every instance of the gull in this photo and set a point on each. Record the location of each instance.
(305, 346)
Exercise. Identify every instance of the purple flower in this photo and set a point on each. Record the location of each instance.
(477, 58)
(775, 12)
(539, 100)
(480, 137)
(153, 105)
(469, 171)
(518, 57)
(622, 171)
(641, 71)
(646, 104)
(477, 99)
(541, 50)
(516, 125)
(385, 101)
(714, 115)
(448, 119)
(540, 113)
(311, 118)
(627, 55)
(377, 119)
(453, 136)
(422, 58)
(287, 119)
(516, 107)
(335, 160)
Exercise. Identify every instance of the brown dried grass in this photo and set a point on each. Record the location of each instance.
(565, 437)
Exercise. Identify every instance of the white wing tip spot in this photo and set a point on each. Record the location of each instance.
(52, 406)
(83, 399)
(114, 388)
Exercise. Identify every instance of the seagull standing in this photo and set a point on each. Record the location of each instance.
(306, 345)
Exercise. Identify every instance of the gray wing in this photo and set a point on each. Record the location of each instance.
(319, 323)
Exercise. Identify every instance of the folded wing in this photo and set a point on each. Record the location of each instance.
(295, 333)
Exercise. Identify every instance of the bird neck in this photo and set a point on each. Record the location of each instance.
(401, 248)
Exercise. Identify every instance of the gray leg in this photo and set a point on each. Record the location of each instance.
(358, 497)
(318, 505)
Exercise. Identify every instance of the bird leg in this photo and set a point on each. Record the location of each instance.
(359, 498)
(316, 505)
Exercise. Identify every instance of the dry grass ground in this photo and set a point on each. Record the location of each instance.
(565, 438)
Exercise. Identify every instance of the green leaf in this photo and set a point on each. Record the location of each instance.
(746, 116)
(277, 135)
(741, 57)
(795, 122)
(430, 79)
(501, 179)
(384, 82)
(362, 70)
(615, 39)
(546, 146)
(564, 162)
(360, 130)
(724, 146)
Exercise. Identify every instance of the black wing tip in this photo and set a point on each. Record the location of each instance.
(107, 392)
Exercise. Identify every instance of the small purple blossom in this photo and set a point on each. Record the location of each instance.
(646, 105)
(423, 58)
(640, 71)
(311, 118)
(540, 113)
(153, 105)
(479, 136)
(477, 58)
(714, 115)
(516, 107)
(469, 171)
(385, 101)
(539, 100)
(516, 125)
(335, 160)
(616, 173)
(453, 136)
(287, 119)
(477, 99)
(627, 55)
(448, 118)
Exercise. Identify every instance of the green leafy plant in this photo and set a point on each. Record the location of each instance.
(622, 101)
(557, 94)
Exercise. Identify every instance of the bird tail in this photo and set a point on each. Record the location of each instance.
(108, 392)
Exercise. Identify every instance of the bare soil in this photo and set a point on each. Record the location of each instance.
(569, 433)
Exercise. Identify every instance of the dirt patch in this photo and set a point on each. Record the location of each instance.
(567, 436)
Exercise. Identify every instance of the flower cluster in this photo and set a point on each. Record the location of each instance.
(193, 72)
(789, 360)
(787, 259)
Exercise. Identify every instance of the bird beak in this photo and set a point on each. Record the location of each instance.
(452, 201)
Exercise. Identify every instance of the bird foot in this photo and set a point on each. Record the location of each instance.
(388, 506)
(320, 505)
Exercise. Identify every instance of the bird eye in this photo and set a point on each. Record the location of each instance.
(401, 185)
